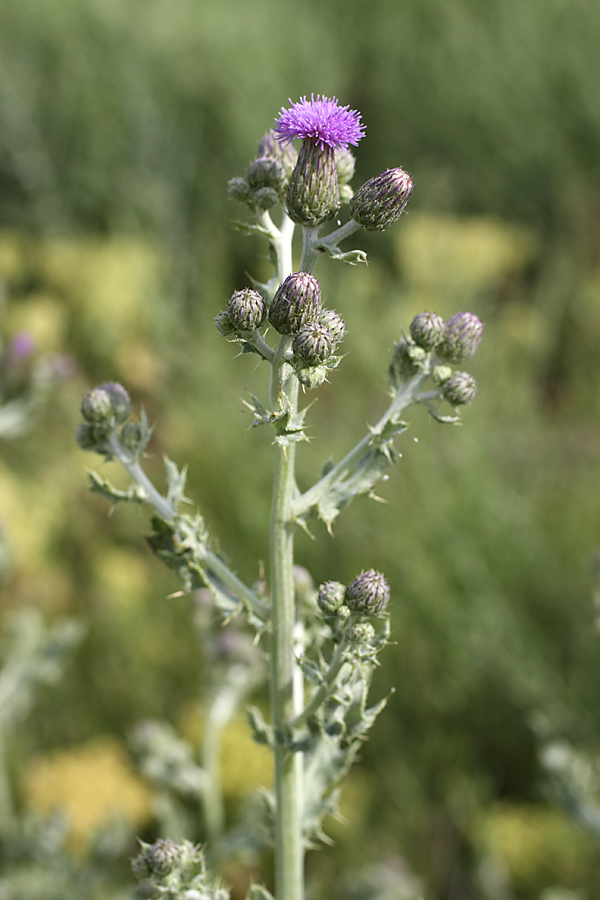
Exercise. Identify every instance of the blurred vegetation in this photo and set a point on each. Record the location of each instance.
(120, 124)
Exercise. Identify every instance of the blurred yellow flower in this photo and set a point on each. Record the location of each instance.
(91, 783)
(539, 846)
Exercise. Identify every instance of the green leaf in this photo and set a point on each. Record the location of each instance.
(352, 257)
(101, 486)
(368, 472)
(248, 227)
(176, 483)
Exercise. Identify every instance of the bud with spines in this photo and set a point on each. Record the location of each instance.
(427, 330)
(379, 202)
(462, 336)
(313, 344)
(334, 324)
(311, 377)
(313, 194)
(369, 594)
(296, 303)
(158, 859)
(345, 164)
(223, 324)
(265, 172)
(459, 389)
(408, 360)
(106, 404)
(286, 155)
(246, 310)
(331, 597)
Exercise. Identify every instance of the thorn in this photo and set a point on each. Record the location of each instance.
(177, 594)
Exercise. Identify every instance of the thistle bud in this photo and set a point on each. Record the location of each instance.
(246, 310)
(312, 376)
(381, 200)
(345, 164)
(106, 402)
(265, 172)
(407, 361)
(313, 344)
(286, 155)
(239, 189)
(296, 302)
(88, 437)
(441, 374)
(459, 389)
(427, 330)
(362, 633)
(313, 195)
(346, 194)
(265, 198)
(369, 594)
(158, 859)
(462, 336)
(131, 436)
(334, 324)
(223, 324)
(331, 597)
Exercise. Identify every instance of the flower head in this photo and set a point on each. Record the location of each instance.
(321, 121)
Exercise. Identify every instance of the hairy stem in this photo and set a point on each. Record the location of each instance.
(404, 397)
(286, 684)
(322, 692)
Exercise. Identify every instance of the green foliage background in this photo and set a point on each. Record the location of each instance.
(120, 124)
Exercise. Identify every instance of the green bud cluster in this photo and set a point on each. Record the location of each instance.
(105, 411)
(267, 176)
(296, 303)
(368, 595)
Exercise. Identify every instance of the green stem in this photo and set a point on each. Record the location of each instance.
(288, 766)
(403, 398)
(287, 686)
(321, 694)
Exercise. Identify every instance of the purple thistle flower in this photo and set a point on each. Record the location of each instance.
(321, 121)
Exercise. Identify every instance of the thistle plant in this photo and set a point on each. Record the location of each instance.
(322, 645)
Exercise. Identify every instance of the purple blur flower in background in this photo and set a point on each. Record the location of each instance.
(21, 346)
(322, 121)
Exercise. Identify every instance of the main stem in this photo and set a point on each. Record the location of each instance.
(286, 687)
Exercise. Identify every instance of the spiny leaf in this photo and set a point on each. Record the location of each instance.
(101, 486)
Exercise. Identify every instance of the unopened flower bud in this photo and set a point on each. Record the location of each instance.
(223, 324)
(246, 310)
(266, 172)
(462, 336)
(369, 594)
(459, 389)
(346, 194)
(331, 597)
(312, 376)
(334, 324)
(313, 344)
(441, 374)
(106, 402)
(88, 436)
(286, 155)
(296, 302)
(379, 202)
(158, 859)
(239, 189)
(130, 435)
(362, 633)
(427, 330)
(345, 164)
(407, 360)
(265, 198)
(313, 195)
